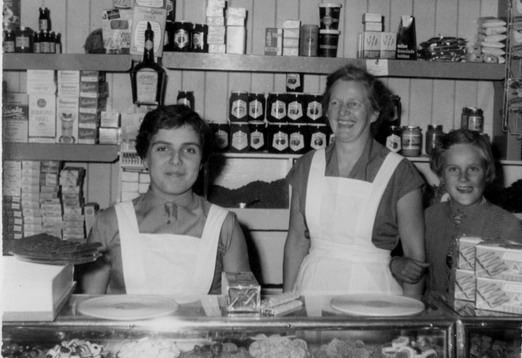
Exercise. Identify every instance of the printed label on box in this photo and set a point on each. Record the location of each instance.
(42, 118)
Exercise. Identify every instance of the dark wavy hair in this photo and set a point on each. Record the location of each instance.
(463, 136)
(173, 116)
(380, 97)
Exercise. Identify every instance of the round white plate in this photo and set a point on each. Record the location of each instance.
(127, 307)
(376, 305)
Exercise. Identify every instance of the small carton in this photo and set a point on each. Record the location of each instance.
(388, 48)
(407, 39)
(499, 261)
(242, 292)
(499, 295)
(370, 44)
(15, 118)
(41, 82)
(236, 37)
(42, 118)
(273, 41)
(67, 119)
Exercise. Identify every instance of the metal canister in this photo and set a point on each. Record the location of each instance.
(186, 98)
(238, 106)
(476, 120)
(434, 136)
(411, 140)
(239, 137)
(394, 139)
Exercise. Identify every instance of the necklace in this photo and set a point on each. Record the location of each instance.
(457, 217)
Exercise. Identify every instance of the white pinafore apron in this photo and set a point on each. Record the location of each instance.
(340, 213)
(168, 264)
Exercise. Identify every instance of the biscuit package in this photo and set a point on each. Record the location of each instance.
(467, 249)
(499, 295)
(503, 262)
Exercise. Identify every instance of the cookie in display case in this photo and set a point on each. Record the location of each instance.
(201, 327)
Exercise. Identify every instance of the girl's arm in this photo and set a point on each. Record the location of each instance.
(296, 245)
(236, 258)
(411, 230)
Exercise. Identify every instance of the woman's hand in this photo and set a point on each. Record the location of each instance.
(408, 270)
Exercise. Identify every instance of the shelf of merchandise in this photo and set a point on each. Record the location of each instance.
(97, 62)
(99, 153)
(323, 65)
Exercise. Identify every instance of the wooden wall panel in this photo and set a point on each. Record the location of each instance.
(78, 26)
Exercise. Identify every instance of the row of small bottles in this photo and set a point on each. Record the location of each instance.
(25, 40)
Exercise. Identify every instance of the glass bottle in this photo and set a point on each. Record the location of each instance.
(9, 41)
(434, 136)
(148, 77)
(44, 21)
(58, 43)
(52, 42)
(36, 42)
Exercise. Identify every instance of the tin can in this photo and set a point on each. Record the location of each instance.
(276, 107)
(239, 137)
(199, 38)
(434, 136)
(258, 135)
(277, 138)
(186, 98)
(314, 108)
(318, 135)
(238, 105)
(221, 136)
(476, 120)
(411, 140)
(298, 138)
(295, 108)
(394, 139)
(182, 36)
(464, 118)
(294, 82)
(256, 106)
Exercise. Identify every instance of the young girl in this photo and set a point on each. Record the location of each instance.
(168, 240)
(465, 165)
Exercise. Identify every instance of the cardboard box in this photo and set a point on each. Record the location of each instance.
(157, 18)
(370, 44)
(499, 295)
(41, 82)
(42, 118)
(35, 292)
(236, 38)
(242, 291)
(15, 118)
(467, 248)
(465, 285)
(388, 46)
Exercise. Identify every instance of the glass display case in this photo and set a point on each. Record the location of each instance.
(481, 333)
(201, 327)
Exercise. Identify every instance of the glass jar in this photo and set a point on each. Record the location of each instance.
(24, 40)
(411, 141)
(476, 120)
(434, 136)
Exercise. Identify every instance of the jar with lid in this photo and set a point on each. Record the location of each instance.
(411, 141)
(24, 40)
(476, 120)
(464, 118)
(434, 136)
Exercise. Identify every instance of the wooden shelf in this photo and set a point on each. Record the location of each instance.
(323, 65)
(101, 153)
(34, 61)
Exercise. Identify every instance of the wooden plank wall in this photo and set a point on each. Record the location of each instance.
(423, 101)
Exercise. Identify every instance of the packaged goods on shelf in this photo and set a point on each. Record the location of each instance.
(117, 30)
(41, 82)
(15, 118)
(42, 118)
(499, 261)
(68, 83)
(157, 17)
(372, 22)
(273, 41)
(67, 110)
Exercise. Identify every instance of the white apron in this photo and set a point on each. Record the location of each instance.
(168, 264)
(340, 214)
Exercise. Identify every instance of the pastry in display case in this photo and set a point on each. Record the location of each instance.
(202, 327)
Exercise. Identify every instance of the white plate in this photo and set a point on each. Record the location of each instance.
(128, 307)
(377, 305)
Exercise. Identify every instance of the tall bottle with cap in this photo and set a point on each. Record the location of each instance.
(148, 78)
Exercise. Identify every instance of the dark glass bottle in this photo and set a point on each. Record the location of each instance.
(148, 78)
(44, 21)
(58, 43)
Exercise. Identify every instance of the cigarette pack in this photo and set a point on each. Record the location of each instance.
(369, 44)
(273, 41)
(242, 292)
(388, 47)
